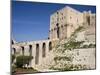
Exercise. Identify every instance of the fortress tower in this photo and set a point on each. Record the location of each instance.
(64, 22)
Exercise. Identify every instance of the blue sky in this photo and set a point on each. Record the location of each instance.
(31, 20)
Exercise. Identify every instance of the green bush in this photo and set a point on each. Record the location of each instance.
(73, 44)
(66, 68)
(13, 57)
(85, 46)
(92, 45)
(13, 70)
(23, 60)
(70, 67)
(63, 58)
(77, 30)
(89, 46)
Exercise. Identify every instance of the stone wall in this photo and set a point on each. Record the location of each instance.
(85, 57)
(64, 22)
(40, 53)
(81, 59)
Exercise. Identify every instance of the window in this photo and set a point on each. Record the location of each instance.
(57, 30)
(14, 51)
(12, 42)
(44, 50)
(22, 48)
(88, 20)
(30, 50)
(50, 46)
(37, 54)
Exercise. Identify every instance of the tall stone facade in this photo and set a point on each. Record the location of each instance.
(62, 24)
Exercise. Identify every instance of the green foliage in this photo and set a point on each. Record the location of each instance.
(22, 60)
(63, 58)
(13, 57)
(70, 67)
(85, 46)
(92, 45)
(13, 70)
(89, 46)
(77, 30)
(65, 68)
(73, 44)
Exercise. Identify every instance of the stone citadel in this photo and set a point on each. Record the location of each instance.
(63, 23)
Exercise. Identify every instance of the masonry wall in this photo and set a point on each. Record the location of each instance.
(85, 57)
(40, 55)
(68, 19)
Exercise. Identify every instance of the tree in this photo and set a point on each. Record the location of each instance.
(13, 57)
(23, 60)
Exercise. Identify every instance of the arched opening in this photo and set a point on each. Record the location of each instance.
(30, 50)
(88, 20)
(44, 50)
(65, 31)
(37, 54)
(22, 48)
(62, 32)
(14, 51)
(12, 42)
(57, 30)
(50, 46)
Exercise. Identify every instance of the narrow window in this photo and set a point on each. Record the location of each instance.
(14, 51)
(37, 54)
(50, 46)
(30, 50)
(22, 48)
(44, 50)
(57, 30)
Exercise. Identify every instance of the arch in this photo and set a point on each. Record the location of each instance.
(14, 51)
(62, 32)
(43, 50)
(88, 20)
(12, 42)
(65, 31)
(58, 30)
(37, 54)
(50, 46)
(22, 48)
(30, 50)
